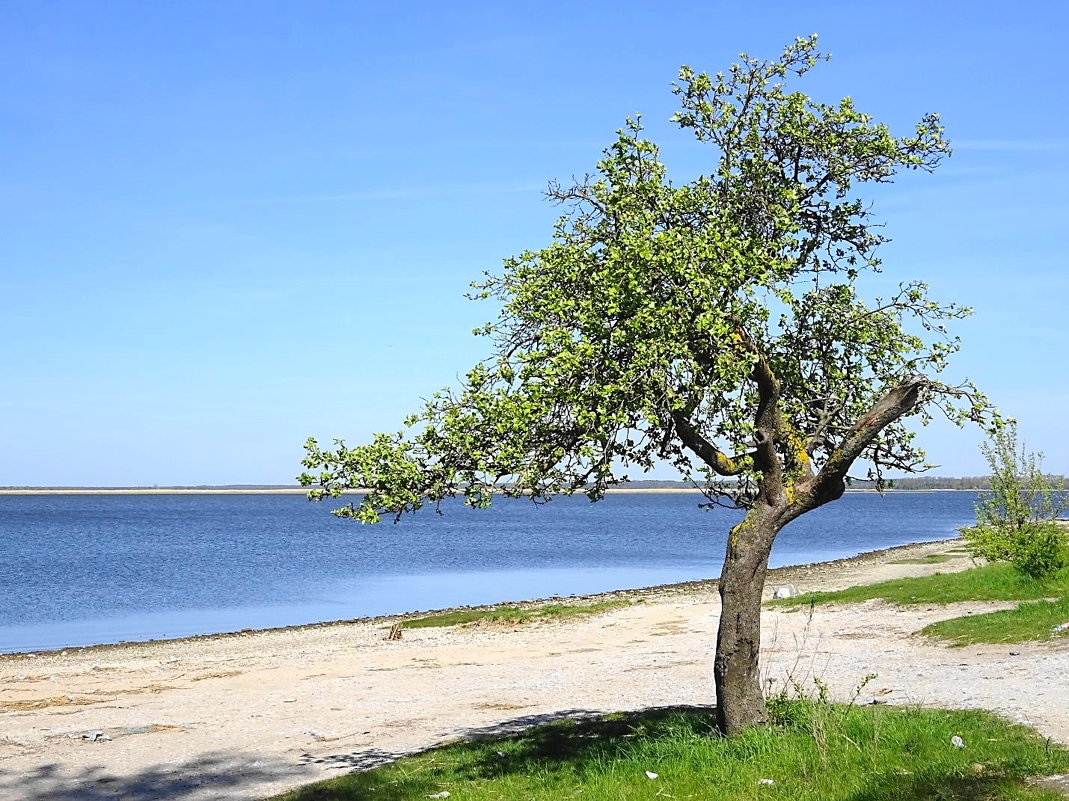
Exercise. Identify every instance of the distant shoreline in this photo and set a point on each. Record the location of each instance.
(302, 490)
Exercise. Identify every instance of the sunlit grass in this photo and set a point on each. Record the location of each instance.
(994, 582)
(1029, 621)
(820, 752)
(930, 559)
(513, 614)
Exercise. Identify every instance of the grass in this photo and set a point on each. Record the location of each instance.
(930, 559)
(512, 614)
(994, 582)
(1029, 621)
(818, 752)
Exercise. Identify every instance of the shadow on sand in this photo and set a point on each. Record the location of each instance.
(222, 774)
(213, 776)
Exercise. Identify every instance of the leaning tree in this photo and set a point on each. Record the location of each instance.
(716, 325)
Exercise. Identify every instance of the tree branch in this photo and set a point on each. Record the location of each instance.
(716, 459)
(894, 404)
(768, 419)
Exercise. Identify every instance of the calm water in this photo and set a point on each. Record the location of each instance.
(84, 569)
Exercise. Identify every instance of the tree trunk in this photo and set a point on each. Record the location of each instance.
(740, 701)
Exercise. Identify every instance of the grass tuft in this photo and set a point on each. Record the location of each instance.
(930, 559)
(513, 614)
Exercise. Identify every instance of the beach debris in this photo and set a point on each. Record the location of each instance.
(395, 632)
(650, 774)
(765, 781)
(957, 742)
(134, 730)
(1060, 627)
(96, 737)
(289, 700)
(786, 591)
(443, 794)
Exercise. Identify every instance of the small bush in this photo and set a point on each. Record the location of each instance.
(1015, 520)
(1039, 555)
(1036, 549)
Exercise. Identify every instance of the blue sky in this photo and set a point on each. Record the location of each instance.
(227, 226)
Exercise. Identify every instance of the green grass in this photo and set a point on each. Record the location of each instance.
(1029, 621)
(512, 614)
(994, 582)
(820, 752)
(930, 559)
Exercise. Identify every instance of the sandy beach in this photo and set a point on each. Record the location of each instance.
(247, 715)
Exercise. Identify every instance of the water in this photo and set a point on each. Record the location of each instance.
(86, 569)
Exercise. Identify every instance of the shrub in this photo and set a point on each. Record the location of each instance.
(1015, 520)
(1039, 554)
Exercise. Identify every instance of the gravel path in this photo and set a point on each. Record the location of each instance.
(244, 716)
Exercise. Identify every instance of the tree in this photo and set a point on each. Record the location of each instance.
(1015, 521)
(716, 325)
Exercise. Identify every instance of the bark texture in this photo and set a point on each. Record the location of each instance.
(736, 668)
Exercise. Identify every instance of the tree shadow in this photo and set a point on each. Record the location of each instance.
(591, 735)
(361, 759)
(944, 787)
(212, 776)
(591, 729)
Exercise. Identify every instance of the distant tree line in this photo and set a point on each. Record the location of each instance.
(933, 482)
(907, 483)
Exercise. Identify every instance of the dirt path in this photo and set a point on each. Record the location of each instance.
(245, 716)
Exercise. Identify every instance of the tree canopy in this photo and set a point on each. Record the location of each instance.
(716, 324)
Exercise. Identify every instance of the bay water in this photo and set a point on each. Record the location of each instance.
(87, 569)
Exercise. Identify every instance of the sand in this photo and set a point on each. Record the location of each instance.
(249, 715)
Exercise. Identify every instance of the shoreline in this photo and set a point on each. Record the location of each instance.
(247, 715)
(777, 575)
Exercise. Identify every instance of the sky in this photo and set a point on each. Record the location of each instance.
(228, 226)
